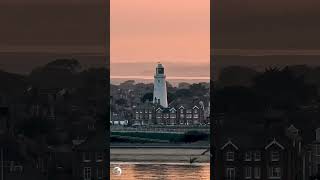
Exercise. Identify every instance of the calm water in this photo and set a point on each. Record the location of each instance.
(153, 171)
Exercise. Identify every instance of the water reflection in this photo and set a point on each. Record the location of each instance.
(173, 171)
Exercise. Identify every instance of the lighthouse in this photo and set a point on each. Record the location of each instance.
(160, 87)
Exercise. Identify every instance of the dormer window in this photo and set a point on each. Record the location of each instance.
(275, 155)
(230, 156)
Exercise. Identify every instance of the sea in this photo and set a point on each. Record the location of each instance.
(116, 80)
(159, 171)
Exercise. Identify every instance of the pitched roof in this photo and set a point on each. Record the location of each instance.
(274, 142)
(229, 143)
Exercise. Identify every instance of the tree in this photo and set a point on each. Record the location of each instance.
(198, 89)
(235, 99)
(121, 102)
(71, 65)
(147, 96)
(61, 73)
(171, 96)
(183, 93)
(34, 127)
(282, 89)
(236, 76)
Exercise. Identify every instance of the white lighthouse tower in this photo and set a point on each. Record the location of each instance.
(160, 87)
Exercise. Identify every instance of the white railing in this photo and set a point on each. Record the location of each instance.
(157, 129)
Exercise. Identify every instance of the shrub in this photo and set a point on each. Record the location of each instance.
(193, 136)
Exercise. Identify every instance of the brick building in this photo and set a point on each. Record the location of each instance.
(175, 114)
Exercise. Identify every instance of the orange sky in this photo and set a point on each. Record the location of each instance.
(166, 30)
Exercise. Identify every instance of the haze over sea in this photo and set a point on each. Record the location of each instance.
(116, 80)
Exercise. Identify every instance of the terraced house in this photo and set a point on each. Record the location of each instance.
(174, 114)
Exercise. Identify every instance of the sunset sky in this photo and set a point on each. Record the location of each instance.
(175, 32)
(144, 31)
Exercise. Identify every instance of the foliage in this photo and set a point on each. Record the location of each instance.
(198, 89)
(183, 93)
(35, 126)
(193, 136)
(147, 96)
(282, 89)
(71, 65)
(159, 136)
(121, 102)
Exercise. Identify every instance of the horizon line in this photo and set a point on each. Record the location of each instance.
(170, 77)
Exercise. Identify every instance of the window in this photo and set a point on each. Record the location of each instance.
(274, 172)
(181, 116)
(87, 173)
(189, 116)
(18, 168)
(189, 111)
(159, 116)
(99, 173)
(275, 156)
(91, 126)
(150, 116)
(231, 173)
(257, 172)
(196, 116)
(247, 156)
(230, 156)
(195, 111)
(247, 172)
(99, 156)
(173, 115)
(181, 111)
(257, 156)
(86, 157)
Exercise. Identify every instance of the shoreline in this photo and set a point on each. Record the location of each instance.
(159, 155)
(159, 163)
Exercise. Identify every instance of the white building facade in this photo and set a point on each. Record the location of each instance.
(160, 87)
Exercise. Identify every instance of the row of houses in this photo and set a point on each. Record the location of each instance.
(282, 153)
(22, 158)
(177, 113)
(77, 151)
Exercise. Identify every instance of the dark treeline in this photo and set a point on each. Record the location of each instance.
(241, 89)
(68, 84)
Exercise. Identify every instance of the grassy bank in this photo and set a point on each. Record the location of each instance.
(135, 137)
